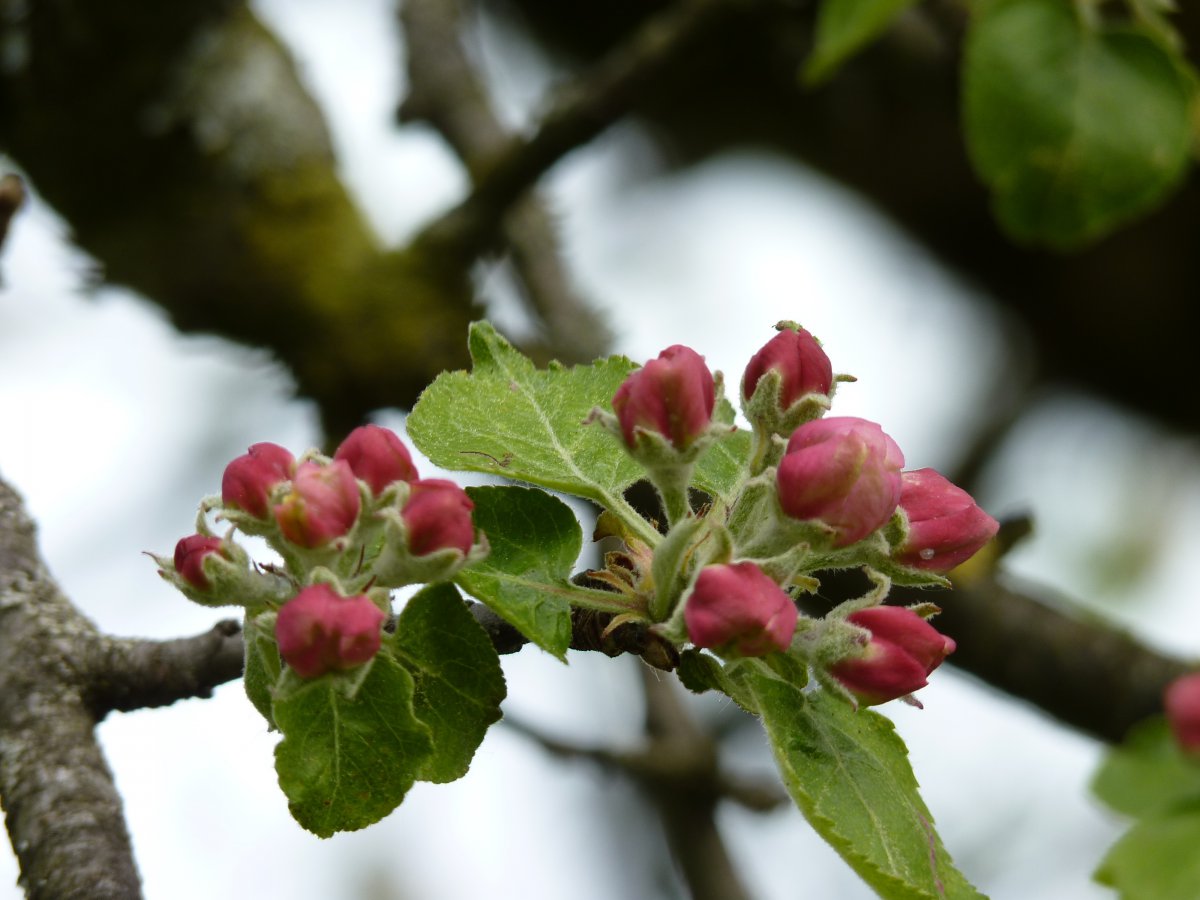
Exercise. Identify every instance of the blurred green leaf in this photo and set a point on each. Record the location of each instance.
(1076, 129)
(843, 28)
(1147, 772)
(1157, 859)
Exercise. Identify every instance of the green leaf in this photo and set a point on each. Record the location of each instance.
(351, 746)
(843, 28)
(262, 665)
(1147, 772)
(459, 684)
(1157, 858)
(535, 540)
(848, 772)
(1075, 129)
(508, 418)
(700, 672)
(721, 470)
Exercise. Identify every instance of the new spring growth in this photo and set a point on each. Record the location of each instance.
(377, 456)
(323, 504)
(801, 364)
(319, 631)
(249, 479)
(843, 472)
(189, 559)
(437, 517)
(945, 525)
(1182, 703)
(788, 382)
(664, 416)
(671, 396)
(359, 519)
(902, 651)
(738, 608)
(831, 493)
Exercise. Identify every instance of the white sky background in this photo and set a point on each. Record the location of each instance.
(114, 426)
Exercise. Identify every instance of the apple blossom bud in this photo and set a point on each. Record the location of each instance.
(323, 504)
(802, 365)
(842, 471)
(248, 480)
(377, 456)
(189, 558)
(739, 606)
(672, 395)
(945, 525)
(437, 516)
(319, 631)
(903, 650)
(1182, 702)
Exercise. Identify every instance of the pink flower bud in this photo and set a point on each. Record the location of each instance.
(189, 558)
(801, 363)
(1182, 702)
(437, 517)
(248, 480)
(323, 504)
(904, 649)
(672, 395)
(377, 456)
(738, 605)
(946, 527)
(319, 631)
(843, 471)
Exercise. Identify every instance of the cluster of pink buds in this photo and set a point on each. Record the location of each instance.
(324, 516)
(820, 492)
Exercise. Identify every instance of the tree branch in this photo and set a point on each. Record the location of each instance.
(62, 810)
(447, 92)
(127, 674)
(12, 196)
(679, 769)
(508, 167)
(1083, 672)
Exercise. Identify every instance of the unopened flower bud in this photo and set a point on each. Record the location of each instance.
(189, 558)
(437, 516)
(323, 504)
(842, 471)
(740, 607)
(903, 650)
(319, 631)
(672, 396)
(802, 365)
(1182, 702)
(248, 480)
(377, 456)
(945, 525)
